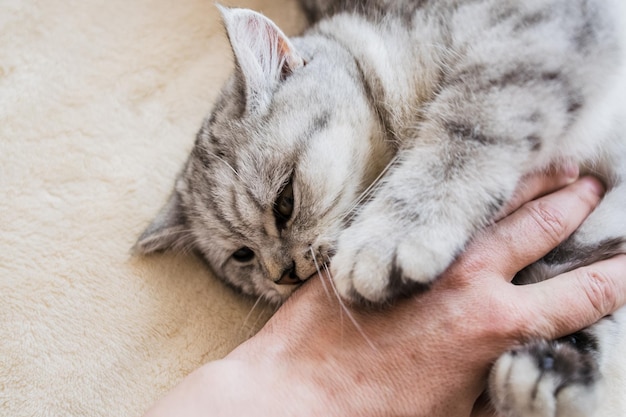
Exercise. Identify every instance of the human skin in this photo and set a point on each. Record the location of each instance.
(427, 355)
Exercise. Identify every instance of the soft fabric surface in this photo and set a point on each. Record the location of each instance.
(99, 105)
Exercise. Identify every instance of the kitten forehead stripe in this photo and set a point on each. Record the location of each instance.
(374, 93)
(217, 212)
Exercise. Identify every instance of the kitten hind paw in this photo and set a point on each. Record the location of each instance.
(544, 379)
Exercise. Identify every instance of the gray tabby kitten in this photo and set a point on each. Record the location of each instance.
(442, 105)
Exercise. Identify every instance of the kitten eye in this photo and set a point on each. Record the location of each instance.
(244, 254)
(283, 207)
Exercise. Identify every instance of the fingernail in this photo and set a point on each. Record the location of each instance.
(594, 185)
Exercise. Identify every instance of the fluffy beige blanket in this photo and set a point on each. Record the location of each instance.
(99, 105)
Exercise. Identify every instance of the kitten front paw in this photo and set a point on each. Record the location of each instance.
(545, 379)
(379, 259)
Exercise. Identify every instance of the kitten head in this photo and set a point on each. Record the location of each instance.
(278, 165)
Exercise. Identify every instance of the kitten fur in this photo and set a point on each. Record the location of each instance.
(387, 135)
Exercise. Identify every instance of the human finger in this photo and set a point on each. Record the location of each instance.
(537, 227)
(539, 184)
(576, 299)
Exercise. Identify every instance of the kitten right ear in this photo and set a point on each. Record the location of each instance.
(263, 53)
(167, 230)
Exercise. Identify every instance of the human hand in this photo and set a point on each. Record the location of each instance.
(428, 355)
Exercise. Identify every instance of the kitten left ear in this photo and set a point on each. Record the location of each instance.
(264, 54)
(167, 231)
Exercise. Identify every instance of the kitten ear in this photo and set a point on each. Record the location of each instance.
(263, 53)
(167, 230)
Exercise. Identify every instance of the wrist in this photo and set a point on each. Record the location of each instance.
(275, 382)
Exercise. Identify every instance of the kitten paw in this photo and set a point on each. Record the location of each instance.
(380, 259)
(545, 379)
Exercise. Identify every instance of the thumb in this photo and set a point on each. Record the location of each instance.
(574, 300)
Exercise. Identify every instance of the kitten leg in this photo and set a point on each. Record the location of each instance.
(501, 109)
(424, 213)
(477, 140)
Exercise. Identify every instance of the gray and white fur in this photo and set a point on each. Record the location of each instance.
(387, 135)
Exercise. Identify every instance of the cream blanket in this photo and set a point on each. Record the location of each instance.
(99, 105)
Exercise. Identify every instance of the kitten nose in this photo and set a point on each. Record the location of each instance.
(289, 276)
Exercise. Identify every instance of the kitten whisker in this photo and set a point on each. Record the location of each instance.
(245, 321)
(371, 189)
(259, 316)
(346, 310)
(229, 166)
(319, 272)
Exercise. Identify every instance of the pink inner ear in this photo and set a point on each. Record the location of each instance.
(280, 46)
(292, 60)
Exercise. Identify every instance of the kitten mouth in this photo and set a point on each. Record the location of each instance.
(314, 274)
(288, 280)
(295, 281)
